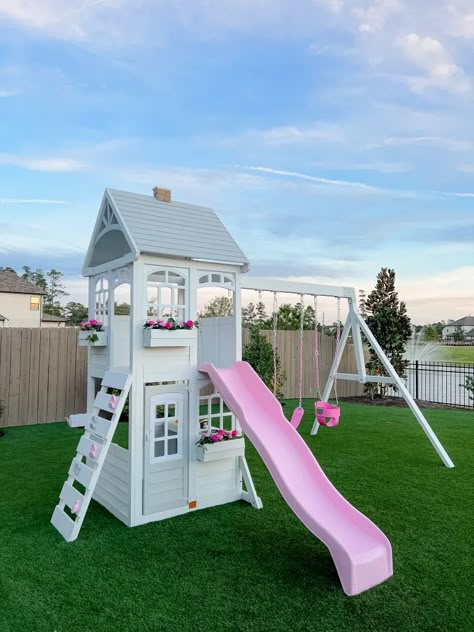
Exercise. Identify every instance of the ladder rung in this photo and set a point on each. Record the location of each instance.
(63, 523)
(99, 426)
(115, 380)
(90, 449)
(71, 497)
(81, 472)
(106, 402)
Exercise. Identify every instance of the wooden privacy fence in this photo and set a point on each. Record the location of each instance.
(42, 375)
(288, 351)
(43, 371)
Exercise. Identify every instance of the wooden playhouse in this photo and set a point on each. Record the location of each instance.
(162, 253)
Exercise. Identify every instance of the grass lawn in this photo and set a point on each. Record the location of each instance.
(455, 354)
(236, 568)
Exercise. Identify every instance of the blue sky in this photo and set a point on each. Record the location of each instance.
(333, 137)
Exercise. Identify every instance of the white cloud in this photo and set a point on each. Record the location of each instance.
(31, 201)
(292, 134)
(373, 17)
(41, 164)
(430, 56)
(327, 181)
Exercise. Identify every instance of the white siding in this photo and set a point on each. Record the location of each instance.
(16, 308)
(112, 489)
(218, 481)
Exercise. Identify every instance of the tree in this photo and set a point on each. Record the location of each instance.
(388, 320)
(52, 286)
(75, 313)
(459, 335)
(249, 315)
(430, 334)
(289, 317)
(7, 269)
(362, 299)
(54, 292)
(36, 277)
(219, 306)
(258, 352)
(121, 309)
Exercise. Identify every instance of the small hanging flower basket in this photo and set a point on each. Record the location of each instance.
(221, 444)
(169, 333)
(92, 334)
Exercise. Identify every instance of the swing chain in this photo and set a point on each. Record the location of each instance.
(316, 349)
(275, 342)
(338, 338)
(300, 392)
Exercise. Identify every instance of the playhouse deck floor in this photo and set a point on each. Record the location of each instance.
(235, 568)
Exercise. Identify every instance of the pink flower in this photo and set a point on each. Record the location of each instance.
(190, 324)
(93, 323)
(214, 438)
(150, 323)
(168, 325)
(234, 433)
(83, 323)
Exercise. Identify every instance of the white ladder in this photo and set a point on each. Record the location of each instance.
(90, 457)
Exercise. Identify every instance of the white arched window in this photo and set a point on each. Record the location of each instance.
(216, 279)
(167, 294)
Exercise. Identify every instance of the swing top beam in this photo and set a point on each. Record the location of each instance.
(262, 284)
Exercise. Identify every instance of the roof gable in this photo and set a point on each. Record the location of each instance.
(11, 283)
(110, 241)
(175, 229)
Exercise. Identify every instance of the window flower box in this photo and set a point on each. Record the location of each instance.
(169, 333)
(92, 338)
(221, 450)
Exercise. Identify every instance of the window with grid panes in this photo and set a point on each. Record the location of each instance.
(167, 295)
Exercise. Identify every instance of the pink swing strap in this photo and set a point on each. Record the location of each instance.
(327, 414)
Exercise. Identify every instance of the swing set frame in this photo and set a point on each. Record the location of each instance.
(356, 325)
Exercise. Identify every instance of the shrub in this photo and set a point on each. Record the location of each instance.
(258, 352)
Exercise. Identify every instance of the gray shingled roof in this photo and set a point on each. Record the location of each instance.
(467, 321)
(11, 283)
(2, 317)
(50, 318)
(176, 229)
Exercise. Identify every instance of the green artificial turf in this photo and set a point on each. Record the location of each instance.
(236, 568)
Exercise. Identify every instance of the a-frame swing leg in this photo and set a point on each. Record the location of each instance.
(334, 367)
(435, 442)
(250, 496)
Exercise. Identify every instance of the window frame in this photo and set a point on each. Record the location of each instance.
(38, 304)
(167, 399)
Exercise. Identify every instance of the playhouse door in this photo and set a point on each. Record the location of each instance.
(166, 449)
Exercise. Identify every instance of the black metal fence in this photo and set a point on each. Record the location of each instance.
(440, 382)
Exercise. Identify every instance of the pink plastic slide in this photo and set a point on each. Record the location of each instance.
(361, 552)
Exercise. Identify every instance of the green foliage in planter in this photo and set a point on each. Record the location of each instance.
(258, 352)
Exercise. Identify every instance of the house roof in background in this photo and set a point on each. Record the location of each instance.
(467, 321)
(470, 333)
(11, 283)
(176, 229)
(49, 318)
(2, 317)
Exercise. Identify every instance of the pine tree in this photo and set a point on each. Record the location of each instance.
(388, 320)
(249, 315)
